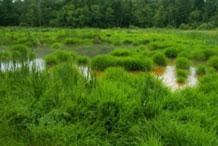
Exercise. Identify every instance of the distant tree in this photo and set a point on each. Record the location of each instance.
(160, 18)
(110, 13)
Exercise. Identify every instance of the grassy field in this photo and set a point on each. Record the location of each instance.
(122, 103)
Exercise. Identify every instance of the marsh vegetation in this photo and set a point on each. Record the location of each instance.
(89, 87)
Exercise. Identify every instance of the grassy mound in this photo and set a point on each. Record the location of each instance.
(129, 63)
(160, 59)
(60, 57)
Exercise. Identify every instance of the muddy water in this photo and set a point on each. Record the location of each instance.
(169, 78)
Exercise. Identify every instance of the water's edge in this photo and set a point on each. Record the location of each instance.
(168, 77)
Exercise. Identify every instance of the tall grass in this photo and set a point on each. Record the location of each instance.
(58, 106)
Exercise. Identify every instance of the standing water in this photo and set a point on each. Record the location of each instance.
(169, 78)
(37, 63)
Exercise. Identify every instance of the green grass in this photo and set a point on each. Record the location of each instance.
(160, 59)
(59, 106)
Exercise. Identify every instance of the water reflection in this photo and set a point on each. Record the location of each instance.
(86, 72)
(167, 75)
(38, 64)
(169, 78)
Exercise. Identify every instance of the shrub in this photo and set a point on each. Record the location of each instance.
(121, 52)
(160, 59)
(171, 52)
(213, 62)
(182, 63)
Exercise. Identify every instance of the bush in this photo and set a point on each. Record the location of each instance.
(171, 52)
(182, 63)
(160, 59)
(213, 62)
(121, 53)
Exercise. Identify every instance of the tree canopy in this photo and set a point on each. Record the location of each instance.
(109, 13)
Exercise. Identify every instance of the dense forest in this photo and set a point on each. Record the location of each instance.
(110, 13)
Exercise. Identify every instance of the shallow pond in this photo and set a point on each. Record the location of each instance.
(167, 75)
(169, 78)
(38, 64)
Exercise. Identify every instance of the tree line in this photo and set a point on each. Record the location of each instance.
(110, 13)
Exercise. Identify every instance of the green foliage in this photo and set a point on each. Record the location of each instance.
(60, 57)
(103, 62)
(57, 46)
(183, 14)
(206, 26)
(21, 53)
(160, 59)
(185, 26)
(70, 41)
(129, 63)
(58, 106)
(82, 60)
(203, 55)
(182, 63)
(213, 62)
(171, 52)
(121, 53)
(181, 75)
(201, 70)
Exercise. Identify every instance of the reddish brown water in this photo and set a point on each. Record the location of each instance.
(159, 71)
